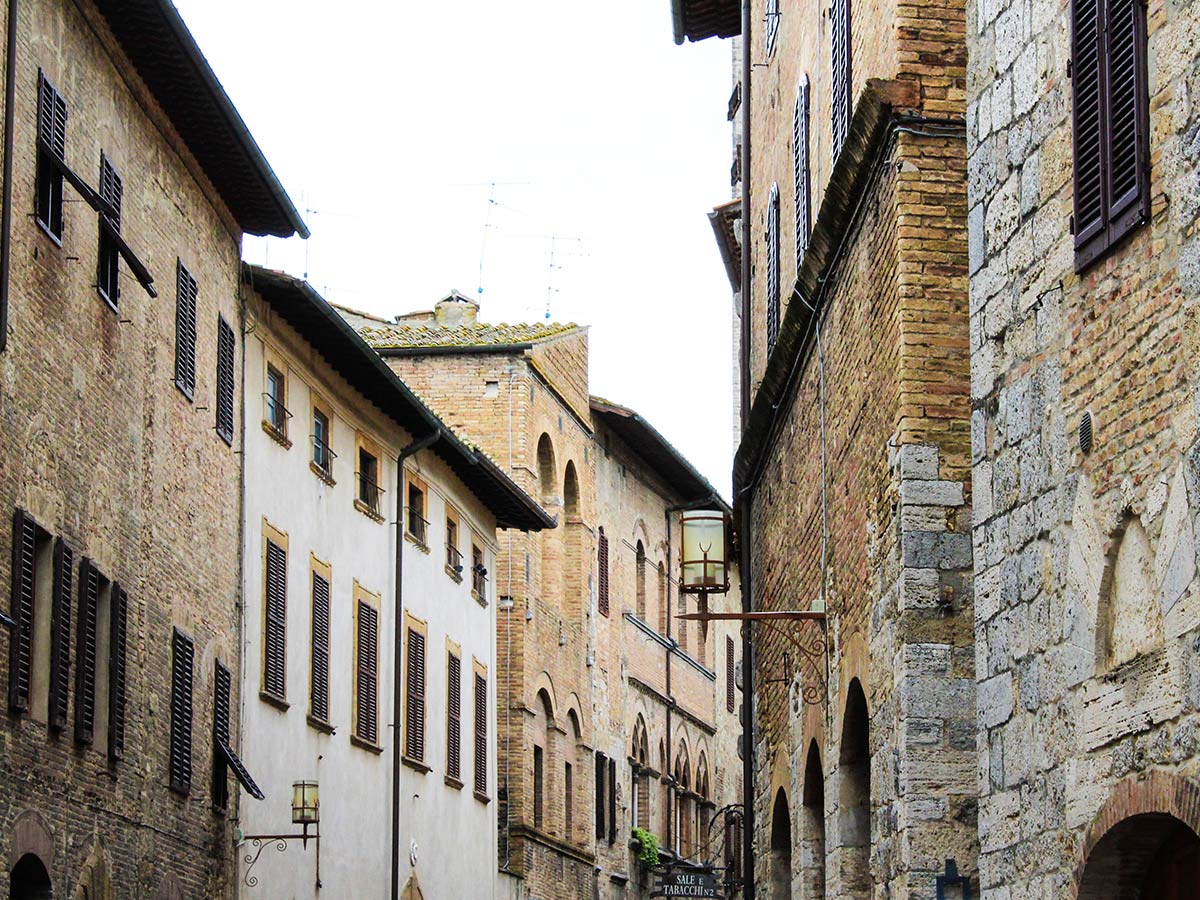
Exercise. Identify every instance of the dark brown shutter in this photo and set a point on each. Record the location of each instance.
(539, 784)
(600, 804)
(773, 268)
(52, 142)
(729, 672)
(222, 689)
(800, 154)
(602, 563)
(117, 634)
(60, 636)
(320, 648)
(841, 99)
(414, 732)
(52, 117)
(480, 734)
(182, 656)
(454, 717)
(20, 655)
(368, 673)
(1088, 118)
(226, 345)
(275, 624)
(1128, 128)
(85, 652)
(111, 189)
(185, 330)
(612, 801)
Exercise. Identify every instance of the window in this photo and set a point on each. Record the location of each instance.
(223, 757)
(91, 644)
(841, 99)
(454, 717)
(275, 404)
(800, 123)
(568, 801)
(454, 563)
(322, 436)
(117, 677)
(417, 524)
(52, 151)
(771, 24)
(602, 566)
(182, 655)
(274, 678)
(663, 598)
(109, 255)
(60, 640)
(773, 268)
(318, 703)
(225, 377)
(639, 560)
(1110, 101)
(539, 784)
(478, 573)
(369, 494)
(366, 667)
(185, 335)
(481, 732)
(32, 583)
(414, 690)
(600, 791)
(730, 669)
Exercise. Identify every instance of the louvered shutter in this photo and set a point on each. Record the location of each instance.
(414, 732)
(599, 795)
(454, 717)
(602, 564)
(110, 192)
(185, 330)
(275, 623)
(800, 155)
(1126, 79)
(773, 268)
(729, 665)
(60, 636)
(20, 654)
(368, 678)
(52, 117)
(182, 657)
(222, 690)
(841, 99)
(52, 142)
(85, 652)
(320, 648)
(1087, 79)
(117, 637)
(481, 731)
(226, 346)
(612, 801)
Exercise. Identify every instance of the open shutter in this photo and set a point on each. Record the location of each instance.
(52, 151)
(222, 688)
(60, 636)
(480, 734)
(414, 744)
(800, 154)
(118, 629)
(1087, 80)
(602, 564)
(612, 801)
(185, 330)
(275, 624)
(85, 653)
(182, 657)
(601, 768)
(454, 717)
(368, 678)
(773, 268)
(841, 100)
(320, 648)
(1127, 115)
(20, 648)
(225, 379)
(107, 274)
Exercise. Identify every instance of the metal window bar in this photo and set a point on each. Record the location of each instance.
(454, 558)
(323, 455)
(370, 494)
(479, 579)
(418, 526)
(277, 414)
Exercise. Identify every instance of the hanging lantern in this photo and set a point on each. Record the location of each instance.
(306, 803)
(705, 556)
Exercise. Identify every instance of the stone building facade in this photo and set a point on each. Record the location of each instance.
(1084, 422)
(119, 404)
(609, 716)
(853, 477)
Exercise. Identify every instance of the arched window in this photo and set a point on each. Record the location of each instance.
(813, 826)
(640, 754)
(683, 803)
(551, 539)
(1151, 856)
(570, 767)
(781, 848)
(542, 735)
(29, 880)
(663, 598)
(640, 562)
(854, 806)
(573, 538)
(703, 808)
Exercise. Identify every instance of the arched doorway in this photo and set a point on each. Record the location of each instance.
(813, 828)
(854, 796)
(29, 880)
(1152, 856)
(781, 848)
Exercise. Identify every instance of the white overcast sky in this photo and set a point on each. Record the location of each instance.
(387, 121)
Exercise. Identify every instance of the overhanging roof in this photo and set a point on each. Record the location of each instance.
(167, 58)
(724, 219)
(318, 323)
(696, 20)
(645, 440)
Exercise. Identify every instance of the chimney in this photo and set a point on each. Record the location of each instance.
(456, 310)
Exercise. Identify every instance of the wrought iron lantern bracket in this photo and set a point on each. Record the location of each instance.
(261, 842)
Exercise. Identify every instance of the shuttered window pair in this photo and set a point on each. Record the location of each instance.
(602, 566)
(414, 696)
(52, 149)
(274, 679)
(1111, 123)
(29, 541)
(481, 732)
(109, 256)
(454, 717)
(842, 98)
(606, 798)
(95, 594)
(366, 674)
(772, 268)
(800, 128)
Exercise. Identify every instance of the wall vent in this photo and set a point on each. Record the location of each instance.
(1085, 433)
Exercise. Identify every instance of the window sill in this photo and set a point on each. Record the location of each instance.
(321, 725)
(453, 782)
(356, 741)
(110, 303)
(482, 798)
(415, 764)
(277, 702)
(454, 576)
(482, 601)
(57, 238)
(367, 511)
(276, 435)
(322, 474)
(413, 539)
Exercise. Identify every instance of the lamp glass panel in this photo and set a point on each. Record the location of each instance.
(704, 549)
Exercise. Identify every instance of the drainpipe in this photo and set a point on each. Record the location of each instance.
(670, 696)
(398, 638)
(10, 91)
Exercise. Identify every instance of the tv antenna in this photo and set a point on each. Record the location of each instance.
(555, 254)
(492, 203)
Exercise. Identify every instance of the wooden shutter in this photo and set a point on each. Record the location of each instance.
(52, 142)
(1087, 64)
(60, 636)
(111, 189)
(20, 652)
(182, 656)
(800, 154)
(117, 638)
(612, 801)
(602, 565)
(226, 346)
(773, 268)
(729, 673)
(414, 731)
(52, 117)
(222, 689)
(275, 622)
(643, 799)
(601, 767)
(454, 717)
(539, 784)
(368, 673)
(480, 734)
(185, 330)
(320, 648)
(841, 99)
(1128, 175)
(85, 653)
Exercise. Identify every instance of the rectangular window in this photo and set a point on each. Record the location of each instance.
(92, 652)
(108, 267)
(369, 494)
(478, 573)
(568, 801)
(322, 455)
(417, 525)
(52, 147)
(539, 783)
(366, 667)
(453, 717)
(275, 404)
(182, 656)
(274, 677)
(117, 684)
(60, 636)
(598, 799)
(1110, 106)
(414, 691)
(481, 732)
(319, 667)
(454, 563)
(226, 375)
(602, 566)
(612, 801)
(729, 675)
(185, 333)
(31, 585)
(842, 97)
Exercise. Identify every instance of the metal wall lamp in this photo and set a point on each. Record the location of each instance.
(952, 878)
(306, 811)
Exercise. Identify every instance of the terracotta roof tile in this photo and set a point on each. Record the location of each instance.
(473, 335)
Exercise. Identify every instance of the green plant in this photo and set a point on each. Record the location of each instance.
(647, 847)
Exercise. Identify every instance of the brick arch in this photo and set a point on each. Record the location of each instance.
(544, 683)
(1153, 792)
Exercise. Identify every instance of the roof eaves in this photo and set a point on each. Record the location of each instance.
(447, 349)
(722, 218)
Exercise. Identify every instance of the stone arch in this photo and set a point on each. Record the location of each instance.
(544, 684)
(542, 761)
(31, 835)
(639, 574)
(639, 753)
(95, 881)
(551, 539)
(780, 859)
(575, 556)
(854, 796)
(1129, 620)
(704, 805)
(30, 879)
(572, 778)
(1150, 856)
(547, 481)
(812, 826)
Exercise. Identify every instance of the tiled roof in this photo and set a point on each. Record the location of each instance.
(473, 335)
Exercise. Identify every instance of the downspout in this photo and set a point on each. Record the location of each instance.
(670, 697)
(10, 93)
(398, 642)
